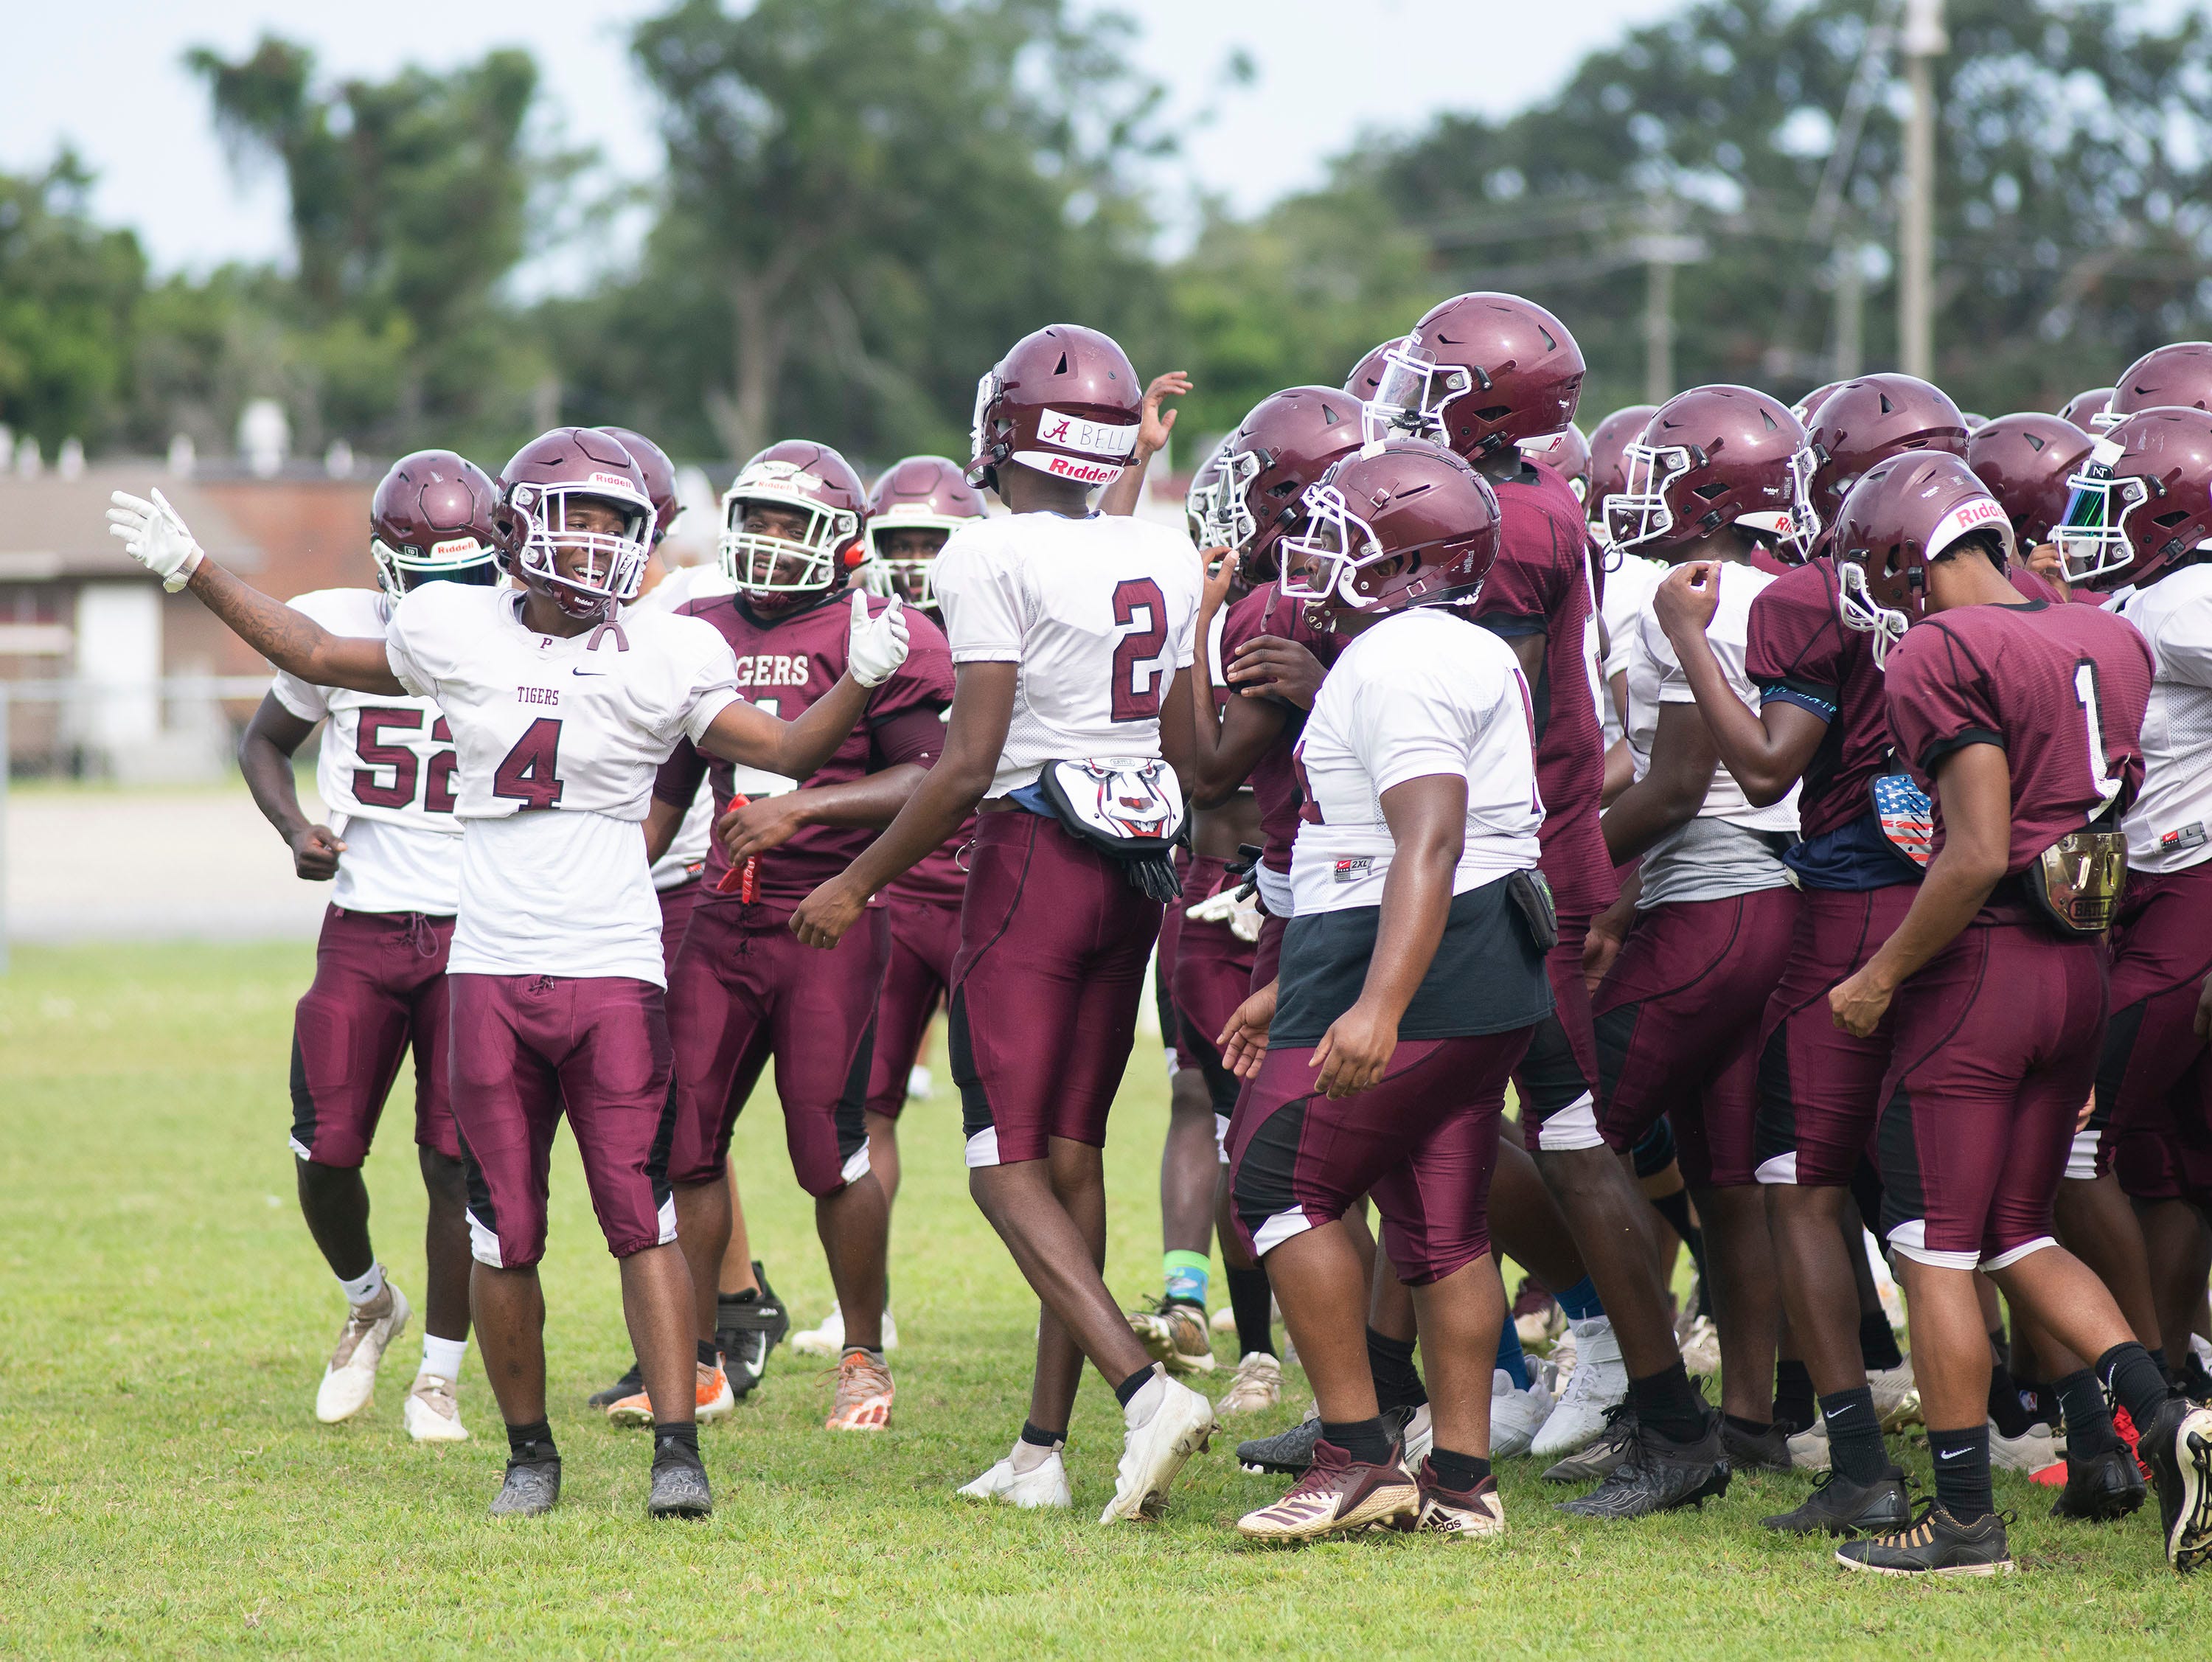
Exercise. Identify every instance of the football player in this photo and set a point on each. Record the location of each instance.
(1994, 983)
(743, 993)
(1627, 579)
(1479, 374)
(561, 709)
(1861, 422)
(2177, 375)
(2026, 460)
(1412, 976)
(1691, 950)
(1072, 635)
(392, 853)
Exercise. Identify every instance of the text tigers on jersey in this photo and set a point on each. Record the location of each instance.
(770, 669)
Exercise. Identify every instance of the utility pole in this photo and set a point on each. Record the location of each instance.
(1925, 42)
(1850, 315)
(1662, 247)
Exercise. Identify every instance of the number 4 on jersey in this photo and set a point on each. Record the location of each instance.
(529, 773)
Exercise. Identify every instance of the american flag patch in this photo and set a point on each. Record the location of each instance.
(1908, 818)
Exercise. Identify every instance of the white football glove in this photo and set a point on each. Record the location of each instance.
(877, 648)
(157, 536)
(1224, 906)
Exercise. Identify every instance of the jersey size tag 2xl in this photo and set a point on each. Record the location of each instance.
(1351, 870)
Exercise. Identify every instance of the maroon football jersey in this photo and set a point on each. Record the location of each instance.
(784, 667)
(2062, 688)
(1799, 651)
(1541, 583)
(1274, 776)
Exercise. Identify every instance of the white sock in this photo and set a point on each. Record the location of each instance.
(443, 1356)
(1147, 1403)
(361, 1289)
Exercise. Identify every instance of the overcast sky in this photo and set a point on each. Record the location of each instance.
(106, 76)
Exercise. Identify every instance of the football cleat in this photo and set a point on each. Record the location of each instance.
(2101, 1488)
(1175, 1333)
(1044, 1484)
(747, 1328)
(1257, 1384)
(1153, 1454)
(1658, 1476)
(349, 1379)
(630, 1384)
(1414, 1430)
(679, 1490)
(1840, 1507)
(864, 1394)
(1701, 1347)
(711, 1400)
(2176, 1446)
(1516, 1416)
(1223, 1320)
(530, 1489)
(1469, 1514)
(1537, 1318)
(1594, 1460)
(1335, 1494)
(1768, 1451)
(1598, 1385)
(1286, 1452)
(1934, 1543)
(1896, 1397)
(829, 1339)
(1808, 1449)
(2032, 1450)
(432, 1412)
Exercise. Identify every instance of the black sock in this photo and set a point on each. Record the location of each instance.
(1126, 1392)
(708, 1356)
(1251, 1301)
(1365, 1440)
(1855, 1450)
(1457, 1472)
(2157, 1353)
(2088, 1418)
(2134, 1381)
(1669, 1404)
(1962, 1471)
(1878, 1341)
(531, 1445)
(1397, 1385)
(1035, 1434)
(751, 1295)
(2005, 1406)
(676, 1441)
(1794, 1406)
(2036, 1396)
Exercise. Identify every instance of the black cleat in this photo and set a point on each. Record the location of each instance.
(679, 1489)
(1290, 1452)
(1768, 1452)
(1934, 1543)
(1840, 1507)
(2101, 1488)
(1658, 1476)
(530, 1490)
(2177, 1447)
(628, 1385)
(1598, 1459)
(747, 1329)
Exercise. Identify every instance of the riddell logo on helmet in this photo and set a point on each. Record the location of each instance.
(782, 475)
(1968, 517)
(1067, 468)
(454, 548)
(1093, 438)
(616, 482)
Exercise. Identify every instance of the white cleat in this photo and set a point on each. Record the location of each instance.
(1808, 1449)
(1224, 1319)
(1258, 1385)
(1599, 1384)
(1701, 1347)
(829, 1339)
(432, 1412)
(1516, 1416)
(1419, 1437)
(2031, 1451)
(1896, 1395)
(919, 1085)
(350, 1380)
(1179, 1423)
(1044, 1484)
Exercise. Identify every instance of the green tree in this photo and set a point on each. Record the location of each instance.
(68, 293)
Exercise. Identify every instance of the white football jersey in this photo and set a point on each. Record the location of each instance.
(1098, 613)
(687, 854)
(2170, 827)
(384, 768)
(577, 724)
(1422, 692)
(1656, 678)
(1627, 592)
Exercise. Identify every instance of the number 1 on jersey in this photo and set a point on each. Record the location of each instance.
(2085, 692)
(529, 773)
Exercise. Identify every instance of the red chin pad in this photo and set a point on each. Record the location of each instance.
(855, 555)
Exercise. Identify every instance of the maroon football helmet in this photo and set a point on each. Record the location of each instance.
(1609, 443)
(922, 493)
(1864, 421)
(1365, 379)
(1400, 524)
(659, 476)
(2142, 504)
(1277, 453)
(2176, 376)
(2026, 460)
(1805, 407)
(1709, 457)
(1567, 454)
(435, 517)
(1479, 371)
(1064, 401)
(1902, 515)
(810, 479)
(2083, 408)
(566, 465)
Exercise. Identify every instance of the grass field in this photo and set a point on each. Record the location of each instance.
(163, 1320)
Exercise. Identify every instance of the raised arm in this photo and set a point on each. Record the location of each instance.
(1119, 500)
(1767, 752)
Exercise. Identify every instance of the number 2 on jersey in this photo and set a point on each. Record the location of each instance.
(1138, 682)
(529, 773)
(2085, 693)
